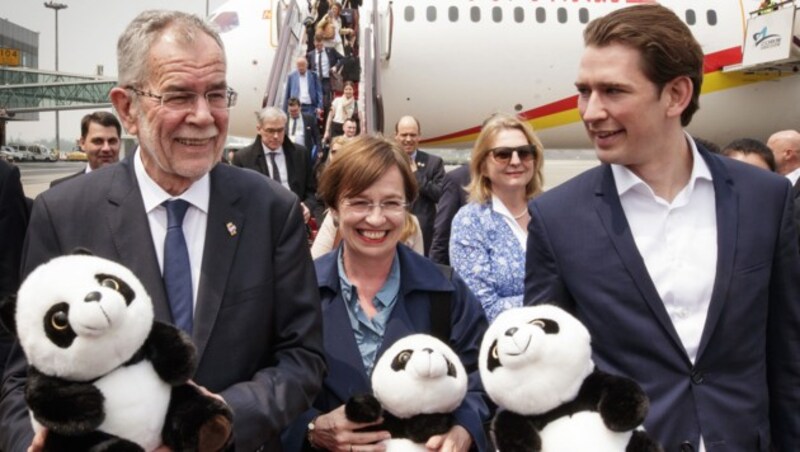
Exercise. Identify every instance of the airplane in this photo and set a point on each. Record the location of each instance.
(452, 63)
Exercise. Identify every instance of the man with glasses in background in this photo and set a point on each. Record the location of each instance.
(274, 155)
(228, 242)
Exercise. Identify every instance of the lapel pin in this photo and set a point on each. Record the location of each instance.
(231, 229)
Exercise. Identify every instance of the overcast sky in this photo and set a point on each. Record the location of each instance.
(88, 31)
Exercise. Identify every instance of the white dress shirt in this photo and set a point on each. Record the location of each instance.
(280, 160)
(302, 79)
(678, 243)
(323, 65)
(194, 223)
(793, 176)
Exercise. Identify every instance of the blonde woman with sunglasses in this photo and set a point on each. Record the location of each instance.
(489, 234)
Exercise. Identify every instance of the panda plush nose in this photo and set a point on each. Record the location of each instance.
(93, 296)
(427, 350)
(511, 331)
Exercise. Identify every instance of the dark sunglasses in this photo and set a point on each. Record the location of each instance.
(503, 155)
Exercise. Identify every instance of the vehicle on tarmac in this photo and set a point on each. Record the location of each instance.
(13, 155)
(36, 152)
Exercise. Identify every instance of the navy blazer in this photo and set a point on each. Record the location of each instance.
(419, 277)
(293, 89)
(453, 198)
(257, 324)
(743, 391)
(334, 60)
(430, 178)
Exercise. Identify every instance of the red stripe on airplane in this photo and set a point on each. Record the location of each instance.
(712, 63)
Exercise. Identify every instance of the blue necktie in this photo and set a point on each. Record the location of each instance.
(177, 270)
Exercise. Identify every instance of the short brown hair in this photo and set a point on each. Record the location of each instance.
(480, 187)
(359, 164)
(103, 118)
(665, 43)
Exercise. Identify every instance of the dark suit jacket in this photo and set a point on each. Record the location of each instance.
(298, 165)
(430, 177)
(311, 135)
(334, 59)
(453, 197)
(797, 207)
(293, 89)
(13, 223)
(257, 324)
(66, 178)
(743, 386)
(411, 314)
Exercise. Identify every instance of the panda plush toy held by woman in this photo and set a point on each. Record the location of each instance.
(103, 374)
(536, 365)
(417, 383)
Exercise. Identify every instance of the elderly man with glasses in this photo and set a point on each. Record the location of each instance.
(214, 245)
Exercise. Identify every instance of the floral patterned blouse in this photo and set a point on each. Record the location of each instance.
(487, 253)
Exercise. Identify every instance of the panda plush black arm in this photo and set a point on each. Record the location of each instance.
(620, 401)
(66, 407)
(171, 352)
(519, 432)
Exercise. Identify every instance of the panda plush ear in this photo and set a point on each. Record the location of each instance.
(82, 251)
(8, 308)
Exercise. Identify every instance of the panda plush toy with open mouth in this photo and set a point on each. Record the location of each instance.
(103, 374)
(536, 365)
(417, 383)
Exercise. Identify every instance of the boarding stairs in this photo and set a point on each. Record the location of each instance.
(772, 40)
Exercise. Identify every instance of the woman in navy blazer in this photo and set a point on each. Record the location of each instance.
(374, 290)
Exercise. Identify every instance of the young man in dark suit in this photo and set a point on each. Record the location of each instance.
(245, 289)
(100, 140)
(303, 129)
(682, 264)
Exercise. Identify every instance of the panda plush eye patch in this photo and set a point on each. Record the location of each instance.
(57, 327)
(401, 359)
(114, 283)
(549, 326)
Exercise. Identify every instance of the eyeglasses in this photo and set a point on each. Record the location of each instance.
(218, 99)
(503, 155)
(363, 207)
(277, 131)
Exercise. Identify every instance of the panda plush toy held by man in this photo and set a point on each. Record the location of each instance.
(103, 374)
(536, 365)
(417, 383)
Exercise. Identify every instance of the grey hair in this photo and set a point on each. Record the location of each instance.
(141, 34)
(270, 113)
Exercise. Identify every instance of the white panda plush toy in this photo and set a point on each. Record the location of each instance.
(103, 375)
(536, 365)
(418, 382)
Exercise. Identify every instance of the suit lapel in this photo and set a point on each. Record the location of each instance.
(224, 219)
(612, 216)
(130, 230)
(344, 358)
(727, 205)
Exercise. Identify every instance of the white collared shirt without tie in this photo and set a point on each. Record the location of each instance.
(678, 243)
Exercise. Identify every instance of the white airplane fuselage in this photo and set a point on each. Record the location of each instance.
(452, 63)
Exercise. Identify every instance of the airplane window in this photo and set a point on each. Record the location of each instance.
(519, 14)
(583, 15)
(452, 13)
(541, 15)
(711, 17)
(562, 15)
(409, 14)
(690, 17)
(497, 14)
(475, 14)
(226, 21)
(431, 14)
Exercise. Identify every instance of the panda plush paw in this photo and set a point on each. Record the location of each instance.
(518, 433)
(196, 421)
(623, 405)
(363, 408)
